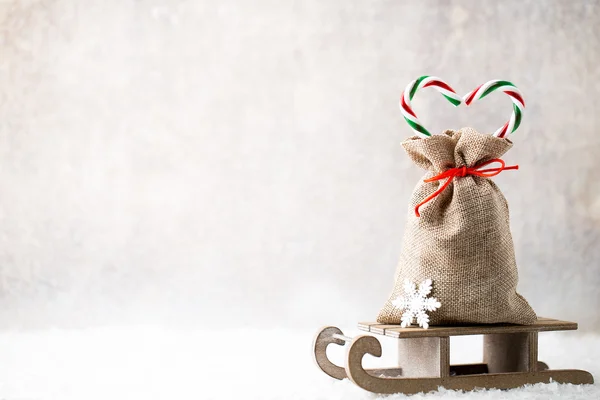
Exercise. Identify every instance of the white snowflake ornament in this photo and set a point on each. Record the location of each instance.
(415, 303)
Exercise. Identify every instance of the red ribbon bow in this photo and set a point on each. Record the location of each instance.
(461, 172)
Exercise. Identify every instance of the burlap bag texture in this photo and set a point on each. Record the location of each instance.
(462, 239)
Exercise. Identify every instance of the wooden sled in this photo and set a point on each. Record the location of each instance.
(510, 358)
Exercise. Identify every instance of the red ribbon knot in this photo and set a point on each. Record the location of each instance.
(461, 172)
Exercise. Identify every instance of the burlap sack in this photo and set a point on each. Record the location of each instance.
(462, 239)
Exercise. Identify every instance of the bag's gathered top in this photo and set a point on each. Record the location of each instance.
(461, 172)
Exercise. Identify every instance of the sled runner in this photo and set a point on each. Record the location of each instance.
(510, 358)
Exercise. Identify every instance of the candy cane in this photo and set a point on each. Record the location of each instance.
(514, 94)
(409, 92)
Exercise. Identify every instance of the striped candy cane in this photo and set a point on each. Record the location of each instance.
(514, 94)
(409, 92)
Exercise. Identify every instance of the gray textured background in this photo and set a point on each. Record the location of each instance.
(239, 163)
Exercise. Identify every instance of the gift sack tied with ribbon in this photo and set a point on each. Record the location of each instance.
(457, 233)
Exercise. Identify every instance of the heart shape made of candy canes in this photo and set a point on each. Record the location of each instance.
(449, 93)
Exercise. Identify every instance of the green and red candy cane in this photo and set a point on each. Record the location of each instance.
(450, 95)
(410, 91)
(512, 92)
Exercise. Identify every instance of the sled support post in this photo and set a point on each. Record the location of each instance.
(533, 352)
(510, 352)
(444, 356)
(424, 357)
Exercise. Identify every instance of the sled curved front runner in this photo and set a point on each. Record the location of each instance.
(324, 338)
(510, 358)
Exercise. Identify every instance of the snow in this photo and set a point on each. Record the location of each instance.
(148, 362)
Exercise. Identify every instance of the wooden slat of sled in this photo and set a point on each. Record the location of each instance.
(541, 325)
